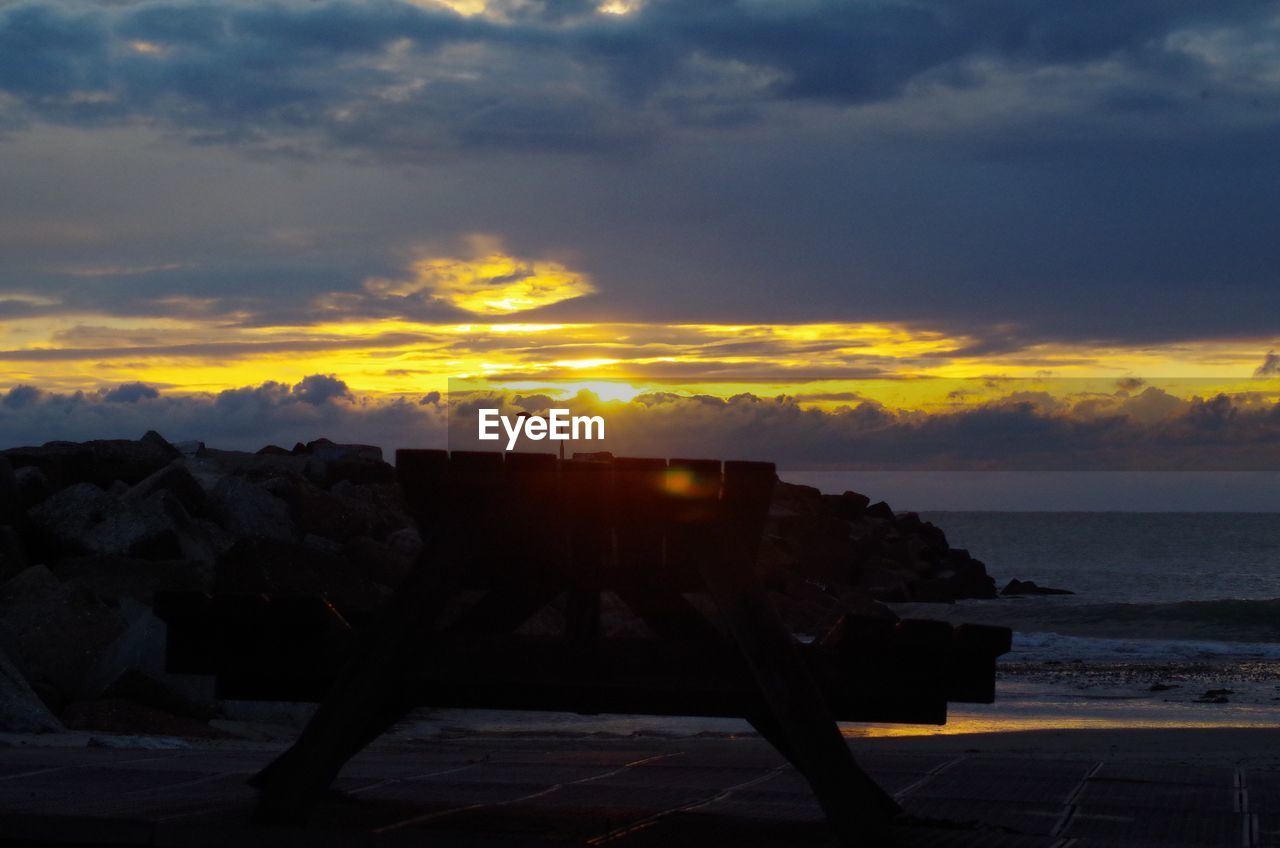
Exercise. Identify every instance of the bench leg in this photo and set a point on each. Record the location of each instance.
(367, 698)
(793, 714)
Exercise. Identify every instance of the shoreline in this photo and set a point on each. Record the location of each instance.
(1225, 746)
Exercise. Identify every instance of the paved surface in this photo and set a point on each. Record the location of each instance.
(629, 793)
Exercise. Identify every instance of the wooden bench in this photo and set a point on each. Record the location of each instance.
(507, 535)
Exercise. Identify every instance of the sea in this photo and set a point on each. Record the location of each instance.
(1174, 620)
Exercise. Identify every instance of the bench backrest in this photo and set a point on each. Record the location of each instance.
(611, 524)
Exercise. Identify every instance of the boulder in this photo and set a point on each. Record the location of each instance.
(13, 558)
(21, 710)
(880, 510)
(848, 506)
(65, 521)
(328, 451)
(56, 633)
(176, 479)
(101, 461)
(1030, 587)
(141, 688)
(9, 496)
(113, 576)
(318, 512)
(383, 502)
(32, 485)
(61, 463)
(360, 464)
(84, 519)
(406, 540)
(247, 511)
(251, 467)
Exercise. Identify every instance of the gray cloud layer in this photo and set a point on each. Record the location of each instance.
(1028, 171)
(1151, 430)
(401, 79)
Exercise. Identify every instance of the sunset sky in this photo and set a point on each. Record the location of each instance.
(204, 204)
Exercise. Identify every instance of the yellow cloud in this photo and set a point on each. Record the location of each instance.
(490, 283)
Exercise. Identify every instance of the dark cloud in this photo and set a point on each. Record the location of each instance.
(321, 388)
(1019, 431)
(372, 76)
(20, 396)
(246, 418)
(131, 393)
(1016, 431)
(1270, 366)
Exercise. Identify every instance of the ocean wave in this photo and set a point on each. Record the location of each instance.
(1227, 620)
(1056, 647)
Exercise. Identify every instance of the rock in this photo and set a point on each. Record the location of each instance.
(383, 502)
(964, 576)
(880, 510)
(251, 467)
(13, 558)
(9, 496)
(146, 689)
(33, 486)
(406, 540)
(21, 710)
(189, 448)
(62, 463)
(273, 450)
(113, 576)
(178, 481)
(849, 506)
(1029, 587)
(325, 514)
(100, 461)
(882, 583)
(360, 464)
(56, 633)
(65, 521)
(247, 511)
(327, 451)
(84, 519)
(151, 437)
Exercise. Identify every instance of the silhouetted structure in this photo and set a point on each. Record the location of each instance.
(509, 534)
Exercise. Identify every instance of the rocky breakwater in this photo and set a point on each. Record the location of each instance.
(90, 531)
(828, 555)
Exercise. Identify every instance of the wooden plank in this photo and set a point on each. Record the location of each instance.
(590, 515)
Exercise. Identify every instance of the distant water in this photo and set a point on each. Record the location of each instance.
(1153, 558)
(1208, 581)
